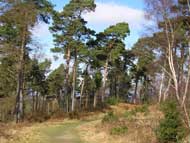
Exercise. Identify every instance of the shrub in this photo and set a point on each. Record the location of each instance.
(119, 130)
(110, 117)
(112, 100)
(171, 128)
(38, 117)
(74, 115)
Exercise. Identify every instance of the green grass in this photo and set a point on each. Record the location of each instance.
(131, 113)
(119, 130)
(142, 109)
(113, 100)
(109, 117)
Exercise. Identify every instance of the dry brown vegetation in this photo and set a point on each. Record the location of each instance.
(91, 129)
(140, 127)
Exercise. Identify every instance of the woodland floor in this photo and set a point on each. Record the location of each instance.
(87, 130)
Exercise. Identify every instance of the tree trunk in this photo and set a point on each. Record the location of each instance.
(161, 86)
(43, 104)
(104, 80)
(170, 56)
(186, 115)
(167, 89)
(74, 82)
(33, 102)
(81, 93)
(37, 102)
(66, 82)
(87, 99)
(82, 85)
(135, 92)
(95, 99)
(20, 81)
(173, 71)
(115, 87)
(187, 79)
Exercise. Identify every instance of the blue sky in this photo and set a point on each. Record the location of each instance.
(108, 12)
(132, 3)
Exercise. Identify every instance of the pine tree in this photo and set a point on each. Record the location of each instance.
(70, 33)
(21, 16)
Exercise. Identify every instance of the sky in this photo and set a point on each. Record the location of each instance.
(108, 12)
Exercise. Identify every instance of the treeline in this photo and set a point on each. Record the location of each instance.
(96, 66)
(91, 60)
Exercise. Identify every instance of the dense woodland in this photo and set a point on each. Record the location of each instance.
(96, 67)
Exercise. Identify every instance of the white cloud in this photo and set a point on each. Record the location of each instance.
(111, 13)
(106, 14)
(41, 30)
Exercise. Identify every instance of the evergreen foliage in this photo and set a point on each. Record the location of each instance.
(171, 128)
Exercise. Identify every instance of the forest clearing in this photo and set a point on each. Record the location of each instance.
(90, 128)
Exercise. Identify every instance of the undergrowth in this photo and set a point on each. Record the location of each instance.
(171, 128)
(113, 100)
(119, 130)
(109, 117)
(141, 109)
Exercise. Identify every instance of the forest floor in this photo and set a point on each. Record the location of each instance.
(90, 129)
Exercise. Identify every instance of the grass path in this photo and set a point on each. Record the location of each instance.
(89, 129)
(64, 132)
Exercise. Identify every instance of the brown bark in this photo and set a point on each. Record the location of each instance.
(135, 92)
(87, 99)
(74, 82)
(95, 99)
(81, 93)
(66, 83)
(20, 81)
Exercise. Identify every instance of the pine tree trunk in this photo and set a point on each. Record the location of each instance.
(66, 82)
(74, 82)
(33, 102)
(37, 102)
(115, 87)
(73, 92)
(81, 93)
(20, 81)
(104, 80)
(95, 99)
(135, 92)
(87, 99)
